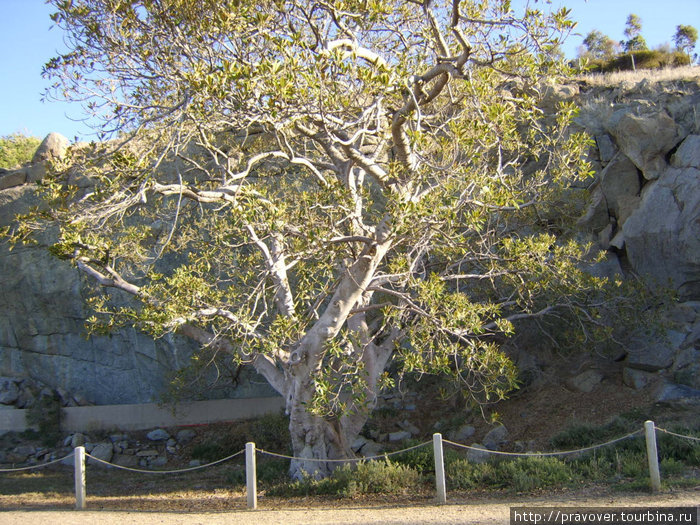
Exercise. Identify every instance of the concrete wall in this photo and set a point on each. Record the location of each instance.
(150, 415)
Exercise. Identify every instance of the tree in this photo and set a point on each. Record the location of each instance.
(322, 189)
(17, 149)
(599, 46)
(685, 39)
(633, 29)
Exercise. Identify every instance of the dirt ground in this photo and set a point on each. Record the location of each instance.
(483, 510)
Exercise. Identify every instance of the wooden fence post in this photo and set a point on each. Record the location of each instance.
(652, 456)
(250, 476)
(439, 468)
(79, 469)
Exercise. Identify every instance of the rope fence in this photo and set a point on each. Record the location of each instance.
(172, 471)
(37, 466)
(691, 438)
(347, 460)
(545, 454)
(79, 458)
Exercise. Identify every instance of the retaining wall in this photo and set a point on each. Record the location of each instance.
(150, 415)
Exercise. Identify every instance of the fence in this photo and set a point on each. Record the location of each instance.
(79, 456)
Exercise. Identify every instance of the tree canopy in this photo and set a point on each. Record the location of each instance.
(321, 189)
(633, 31)
(685, 38)
(599, 46)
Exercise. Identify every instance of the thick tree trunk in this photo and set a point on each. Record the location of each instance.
(315, 439)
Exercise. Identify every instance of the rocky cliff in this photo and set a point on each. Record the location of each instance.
(644, 210)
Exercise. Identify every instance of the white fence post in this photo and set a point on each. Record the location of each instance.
(79, 468)
(652, 455)
(439, 468)
(250, 476)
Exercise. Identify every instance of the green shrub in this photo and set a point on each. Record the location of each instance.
(582, 435)
(421, 459)
(273, 471)
(520, 475)
(16, 150)
(372, 477)
(646, 59)
(671, 467)
(633, 465)
(679, 449)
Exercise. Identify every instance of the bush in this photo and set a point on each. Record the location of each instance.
(520, 475)
(582, 435)
(647, 59)
(16, 150)
(372, 477)
(679, 449)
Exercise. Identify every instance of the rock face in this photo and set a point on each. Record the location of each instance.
(644, 209)
(646, 201)
(662, 236)
(42, 317)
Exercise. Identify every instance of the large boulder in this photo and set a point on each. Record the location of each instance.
(54, 146)
(688, 154)
(645, 139)
(619, 181)
(663, 235)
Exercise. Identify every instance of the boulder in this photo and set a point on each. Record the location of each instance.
(9, 391)
(609, 267)
(103, 451)
(606, 147)
(662, 237)
(586, 381)
(409, 427)
(688, 153)
(399, 436)
(366, 447)
(673, 394)
(158, 435)
(651, 352)
(185, 435)
(495, 438)
(462, 433)
(597, 216)
(125, 460)
(77, 440)
(645, 139)
(478, 453)
(12, 179)
(637, 379)
(618, 180)
(54, 146)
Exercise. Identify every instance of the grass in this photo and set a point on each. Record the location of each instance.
(652, 75)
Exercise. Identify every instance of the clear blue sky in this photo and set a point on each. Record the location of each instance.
(28, 42)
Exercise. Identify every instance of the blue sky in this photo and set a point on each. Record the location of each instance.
(27, 42)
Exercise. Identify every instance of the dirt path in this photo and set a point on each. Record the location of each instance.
(486, 512)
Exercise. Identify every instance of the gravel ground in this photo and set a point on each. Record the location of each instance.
(486, 512)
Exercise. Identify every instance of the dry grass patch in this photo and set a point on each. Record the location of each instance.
(634, 77)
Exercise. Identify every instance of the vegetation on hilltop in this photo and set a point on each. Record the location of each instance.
(17, 149)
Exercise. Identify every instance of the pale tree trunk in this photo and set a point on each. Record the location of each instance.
(314, 438)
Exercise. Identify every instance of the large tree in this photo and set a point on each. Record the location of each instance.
(599, 46)
(322, 188)
(633, 31)
(685, 39)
